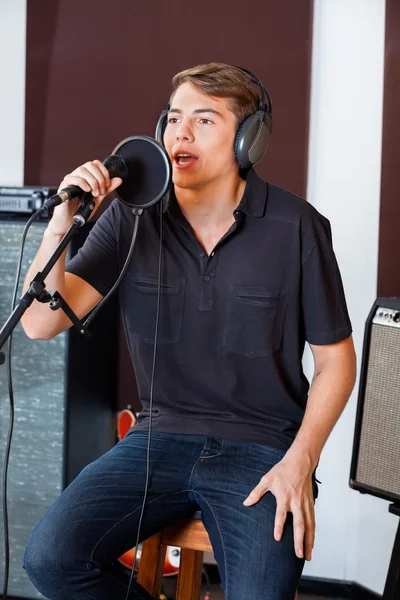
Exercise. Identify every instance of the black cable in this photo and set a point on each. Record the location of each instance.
(120, 277)
(207, 595)
(11, 397)
(150, 403)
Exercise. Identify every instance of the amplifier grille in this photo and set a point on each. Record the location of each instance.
(379, 450)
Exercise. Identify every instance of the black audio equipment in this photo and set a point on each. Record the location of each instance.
(65, 394)
(23, 200)
(375, 467)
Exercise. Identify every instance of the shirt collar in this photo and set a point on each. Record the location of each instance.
(255, 195)
(252, 203)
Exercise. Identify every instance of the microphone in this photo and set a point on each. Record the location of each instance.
(145, 170)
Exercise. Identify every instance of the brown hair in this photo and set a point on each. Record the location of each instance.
(222, 81)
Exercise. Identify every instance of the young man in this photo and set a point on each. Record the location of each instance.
(248, 276)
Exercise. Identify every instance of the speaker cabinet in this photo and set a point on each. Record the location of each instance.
(375, 467)
(65, 392)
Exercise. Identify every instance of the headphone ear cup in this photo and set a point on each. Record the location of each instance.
(252, 139)
(238, 140)
(160, 128)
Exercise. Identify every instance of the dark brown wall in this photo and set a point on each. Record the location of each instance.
(389, 232)
(99, 71)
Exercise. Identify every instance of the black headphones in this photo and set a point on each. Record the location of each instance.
(252, 136)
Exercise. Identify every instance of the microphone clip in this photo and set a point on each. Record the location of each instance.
(83, 213)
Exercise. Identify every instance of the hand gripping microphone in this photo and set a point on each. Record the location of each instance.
(145, 170)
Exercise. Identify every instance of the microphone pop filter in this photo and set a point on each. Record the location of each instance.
(145, 169)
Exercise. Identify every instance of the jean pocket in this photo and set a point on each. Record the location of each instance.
(141, 297)
(254, 320)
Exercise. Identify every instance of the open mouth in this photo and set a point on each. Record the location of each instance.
(184, 158)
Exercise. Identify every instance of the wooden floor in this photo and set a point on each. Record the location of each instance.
(217, 593)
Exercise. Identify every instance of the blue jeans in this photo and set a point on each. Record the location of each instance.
(70, 553)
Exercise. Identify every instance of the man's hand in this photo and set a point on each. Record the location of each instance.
(290, 481)
(91, 177)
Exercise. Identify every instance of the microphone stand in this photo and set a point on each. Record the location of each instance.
(392, 584)
(37, 288)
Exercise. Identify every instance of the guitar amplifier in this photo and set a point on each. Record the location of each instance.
(65, 394)
(375, 467)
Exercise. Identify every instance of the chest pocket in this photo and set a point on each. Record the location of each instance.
(141, 296)
(254, 320)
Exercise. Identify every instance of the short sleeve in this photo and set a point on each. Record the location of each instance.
(325, 314)
(97, 261)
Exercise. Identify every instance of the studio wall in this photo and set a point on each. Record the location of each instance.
(96, 73)
(389, 230)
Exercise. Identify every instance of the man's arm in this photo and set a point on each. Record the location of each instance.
(39, 321)
(332, 384)
(291, 479)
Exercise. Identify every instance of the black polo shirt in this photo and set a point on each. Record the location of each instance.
(232, 325)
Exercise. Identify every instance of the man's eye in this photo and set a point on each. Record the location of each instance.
(206, 121)
(172, 120)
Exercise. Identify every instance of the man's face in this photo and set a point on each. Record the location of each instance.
(203, 128)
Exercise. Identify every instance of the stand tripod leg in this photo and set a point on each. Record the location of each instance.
(392, 585)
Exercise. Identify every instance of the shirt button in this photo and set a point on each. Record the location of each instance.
(202, 255)
(206, 278)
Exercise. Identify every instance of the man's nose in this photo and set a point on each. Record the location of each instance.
(184, 131)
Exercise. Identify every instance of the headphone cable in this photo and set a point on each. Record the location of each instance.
(153, 370)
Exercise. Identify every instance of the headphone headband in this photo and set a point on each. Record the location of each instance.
(263, 91)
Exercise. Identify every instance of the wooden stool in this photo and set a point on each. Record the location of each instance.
(189, 535)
